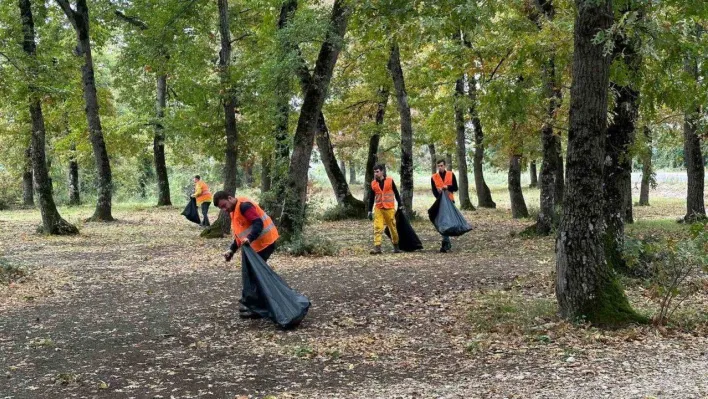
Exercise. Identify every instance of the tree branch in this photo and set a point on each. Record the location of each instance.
(11, 61)
(245, 35)
(131, 20)
(70, 13)
(498, 65)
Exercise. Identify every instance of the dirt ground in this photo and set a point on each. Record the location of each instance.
(144, 308)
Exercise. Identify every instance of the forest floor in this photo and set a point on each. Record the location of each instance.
(144, 308)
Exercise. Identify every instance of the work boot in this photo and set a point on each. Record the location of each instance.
(445, 247)
(396, 250)
(376, 250)
(245, 313)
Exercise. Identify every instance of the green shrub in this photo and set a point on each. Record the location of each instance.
(10, 273)
(311, 245)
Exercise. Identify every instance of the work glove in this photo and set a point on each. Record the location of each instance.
(371, 216)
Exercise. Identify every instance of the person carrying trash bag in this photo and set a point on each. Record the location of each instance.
(203, 198)
(382, 208)
(444, 182)
(264, 293)
(191, 212)
(408, 240)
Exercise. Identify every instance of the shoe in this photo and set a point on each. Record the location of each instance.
(443, 249)
(376, 250)
(245, 313)
(396, 250)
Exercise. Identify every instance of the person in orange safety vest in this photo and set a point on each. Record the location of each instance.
(250, 225)
(382, 203)
(444, 182)
(203, 197)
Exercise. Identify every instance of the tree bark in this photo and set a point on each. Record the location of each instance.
(80, 21)
(619, 138)
(74, 188)
(463, 186)
(394, 67)
(695, 168)
(372, 156)
(248, 173)
(342, 164)
(533, 175)
(52, 222)
(433, 160)
(448, 161)
(158, 146)
(585, 286)
(293, 217)
(352, 173)
(27, 179)
(646, 168)
(266, 181)
(484, 195)
(337, 177)
(559, 183)
(229, 102)
(518, 204)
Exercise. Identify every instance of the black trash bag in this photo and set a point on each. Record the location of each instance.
(191, 212)
(407, 238)
(446, 218)
(267, 295)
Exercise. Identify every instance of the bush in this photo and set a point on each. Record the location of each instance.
(340, 212)
(10, 273)
(310, 246)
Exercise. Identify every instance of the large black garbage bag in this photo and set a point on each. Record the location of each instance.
(407, 238)
(191, 212)
(446, 218)
(267, 295)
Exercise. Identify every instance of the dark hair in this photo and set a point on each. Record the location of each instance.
(220, 196)
(442, 161)
(380, 167)
(197, 177)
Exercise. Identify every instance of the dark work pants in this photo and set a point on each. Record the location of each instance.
(205, 211)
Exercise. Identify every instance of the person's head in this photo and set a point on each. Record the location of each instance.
(224, 201)
(442, 165)
(379, 172)
(197, 178)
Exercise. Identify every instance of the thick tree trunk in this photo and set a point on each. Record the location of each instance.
(394, 67)
(533, 175)
(372, 156)
(484, 195)
(433, 159)
(219, 228)
(231, 177)
(158, 146)
(80, 20)
(266, 181)
(28, 180)
(585, 286)
(618, 140)
(74, 188)
(518, 204)
(337, 177)
(293, 218)
(52, 222)
(695, 169)
(463, 186)
(352, 173)
(646, 168)
(448, 161)
(628, 206)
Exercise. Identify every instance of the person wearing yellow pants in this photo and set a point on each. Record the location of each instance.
(383, 206)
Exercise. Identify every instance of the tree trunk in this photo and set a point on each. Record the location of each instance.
(484, 195)
(266, 181)
(628, 206)
(293, 218)
(433, 159)
(518, 204)
(80, 21)
(231, 178)
(371, 158)
(448, 161)
(337, 177)
(352, 173)
(533, 175)
(158, 146)
(342, 164)
(52, 222)
(695, 168)
(218, 229)
(585, 286)
(618, 140)
(27, 179)
(646, 168)
(74, 188)
(464, 192)
(394, 67)
(248, 173)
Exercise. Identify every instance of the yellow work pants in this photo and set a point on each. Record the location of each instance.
(387, 218)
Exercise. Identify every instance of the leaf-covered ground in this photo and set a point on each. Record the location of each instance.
(144, 308)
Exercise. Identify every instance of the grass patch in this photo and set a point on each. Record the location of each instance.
(510, 313)
(10, 273)
(310, 245)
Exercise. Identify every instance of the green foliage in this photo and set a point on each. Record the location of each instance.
(310, 245)
(509, 312)
(10, 273)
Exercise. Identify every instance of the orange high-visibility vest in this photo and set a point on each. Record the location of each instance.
(241, 227)
(202, 192)
(439, 183)
(383, 199)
